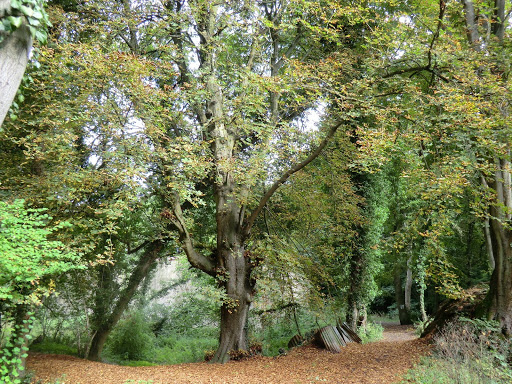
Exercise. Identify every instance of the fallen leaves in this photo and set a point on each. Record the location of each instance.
(376, 363)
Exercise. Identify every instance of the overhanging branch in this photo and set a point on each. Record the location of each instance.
(196, 259)
(266, 197)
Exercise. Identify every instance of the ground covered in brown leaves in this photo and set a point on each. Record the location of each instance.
(380, 363)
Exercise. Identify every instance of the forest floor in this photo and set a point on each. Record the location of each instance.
(381, 362)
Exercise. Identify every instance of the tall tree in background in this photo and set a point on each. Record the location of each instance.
(453, 87)
(486, 26)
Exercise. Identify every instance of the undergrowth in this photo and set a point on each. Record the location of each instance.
(370, 333)
(466, 351)
(50, 346)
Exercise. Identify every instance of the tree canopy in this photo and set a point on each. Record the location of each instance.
(301, 154)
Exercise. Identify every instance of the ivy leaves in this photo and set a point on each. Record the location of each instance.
(30, 10)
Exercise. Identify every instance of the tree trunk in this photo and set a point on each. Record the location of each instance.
(499, 298)
(233, 329)
(403, 313)
(233, 271)
(97, 343)
(423, 312)
(105, 322)
(14, 54)
(408, 286)
(357, 265)
(352, 313)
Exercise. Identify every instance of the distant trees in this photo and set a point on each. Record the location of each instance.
(449, 97)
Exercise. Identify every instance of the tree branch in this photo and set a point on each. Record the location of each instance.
(266, 197)
(196, 259)
(137, 275)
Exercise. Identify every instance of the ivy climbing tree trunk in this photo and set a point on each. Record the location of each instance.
(498, 228)
(14, 54)
(403, 313)
(408, 285)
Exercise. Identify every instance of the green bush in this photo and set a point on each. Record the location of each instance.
(131, 339)
(48, 346)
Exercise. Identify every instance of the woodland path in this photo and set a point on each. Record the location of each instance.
(381, 362)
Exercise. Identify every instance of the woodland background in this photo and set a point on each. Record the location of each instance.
(172, 171)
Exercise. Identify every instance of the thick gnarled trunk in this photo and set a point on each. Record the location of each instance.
(233, 326)
(233, 270)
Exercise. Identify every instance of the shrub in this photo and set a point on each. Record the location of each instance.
(186, 349)
(131, 339)
(466, 351)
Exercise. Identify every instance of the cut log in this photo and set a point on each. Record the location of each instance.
(345, 335)
(348, 331)
(329, 338)
(295, 341)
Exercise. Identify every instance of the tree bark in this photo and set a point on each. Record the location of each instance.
(104, 322)
(233, 271)
(499, 297)
(403, 313)
(14, 55)
(408, 286)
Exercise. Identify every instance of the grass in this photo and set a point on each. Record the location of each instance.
(137, 363)
(48, 346)
(383, 318)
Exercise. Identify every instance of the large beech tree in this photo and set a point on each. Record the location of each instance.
(239, 69)
(207, 100)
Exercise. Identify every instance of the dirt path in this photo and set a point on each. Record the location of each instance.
(380, 363)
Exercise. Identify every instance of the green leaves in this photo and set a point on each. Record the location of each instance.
(28, 256)
(30, 10)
